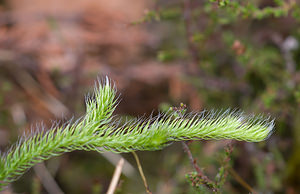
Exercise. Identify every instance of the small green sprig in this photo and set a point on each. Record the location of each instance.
(99, 131)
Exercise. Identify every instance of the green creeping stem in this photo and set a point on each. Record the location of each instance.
(97, 131)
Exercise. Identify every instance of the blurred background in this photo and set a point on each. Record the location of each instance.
(206, 54)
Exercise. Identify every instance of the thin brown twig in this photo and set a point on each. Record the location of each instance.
(114, 181)
(193, 162)
(191, 158)
(240, 180)
(141, 172)
(226, 161)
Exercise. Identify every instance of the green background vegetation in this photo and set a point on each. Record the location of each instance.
(206, 54)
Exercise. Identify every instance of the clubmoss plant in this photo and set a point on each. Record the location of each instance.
(98, 131)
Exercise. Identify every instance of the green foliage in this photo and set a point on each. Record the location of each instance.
(230, 10)
(242, 44)
(97, 131)
(203, 184)
(250, 10)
